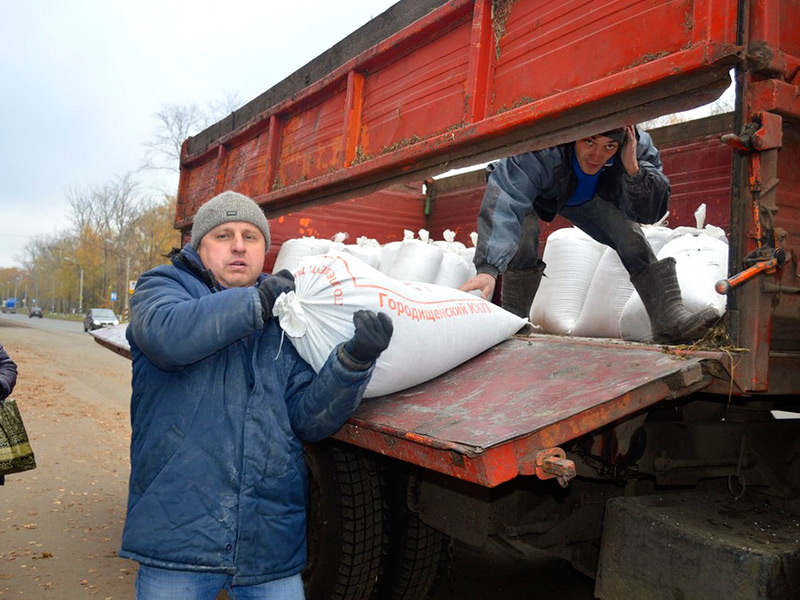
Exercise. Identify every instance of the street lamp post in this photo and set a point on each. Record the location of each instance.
(118, 250)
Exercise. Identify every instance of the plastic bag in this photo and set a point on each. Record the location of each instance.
(16, 454)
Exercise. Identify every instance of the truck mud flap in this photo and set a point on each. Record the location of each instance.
(494, 417)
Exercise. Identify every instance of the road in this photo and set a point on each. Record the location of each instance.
(44, 322)
(60, 525)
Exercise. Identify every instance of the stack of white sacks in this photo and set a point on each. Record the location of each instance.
(443, 262)
(587, 292)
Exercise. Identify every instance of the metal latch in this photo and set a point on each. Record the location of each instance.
(553, 463)
(761, 263)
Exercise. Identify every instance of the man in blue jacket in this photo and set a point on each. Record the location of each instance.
(604, 184)
(220, 409)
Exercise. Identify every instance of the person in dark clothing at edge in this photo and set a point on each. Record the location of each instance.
(221, 405)
(8, 379)
(605, 185)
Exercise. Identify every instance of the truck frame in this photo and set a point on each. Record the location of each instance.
(642, 465)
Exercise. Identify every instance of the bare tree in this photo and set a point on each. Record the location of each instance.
(176, 122)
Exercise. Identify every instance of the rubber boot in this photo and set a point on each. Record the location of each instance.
(519, 287)
(670, 321)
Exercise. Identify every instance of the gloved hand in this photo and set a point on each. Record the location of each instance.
(371, 337)
(272, 287)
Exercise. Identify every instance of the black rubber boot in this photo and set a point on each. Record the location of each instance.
(670, 321)
(519, 287)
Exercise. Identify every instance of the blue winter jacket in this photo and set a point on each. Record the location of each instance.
(221, 405)
(543, 181)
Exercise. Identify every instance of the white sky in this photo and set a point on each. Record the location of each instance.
(82, 79)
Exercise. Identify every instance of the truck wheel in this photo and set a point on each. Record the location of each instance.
(346, 534)
(417, 552)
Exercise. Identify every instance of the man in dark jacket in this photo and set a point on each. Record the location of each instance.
(220, 408)
(605, 185)
(8, 379)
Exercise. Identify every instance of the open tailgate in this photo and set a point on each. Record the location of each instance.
(487, 420)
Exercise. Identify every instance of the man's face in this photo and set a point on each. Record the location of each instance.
(594, 152)
(234, 253)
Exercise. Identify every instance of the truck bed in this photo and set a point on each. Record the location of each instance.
(485, 420)
(520, 397)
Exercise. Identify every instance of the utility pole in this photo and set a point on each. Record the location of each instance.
(80, 289)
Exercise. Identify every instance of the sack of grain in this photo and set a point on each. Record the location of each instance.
(435, 328)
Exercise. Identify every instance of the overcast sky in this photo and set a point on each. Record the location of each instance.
(82, 79)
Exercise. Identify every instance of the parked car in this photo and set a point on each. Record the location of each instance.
(35, 311)
(97, 318)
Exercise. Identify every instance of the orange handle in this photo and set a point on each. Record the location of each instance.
(723, 286)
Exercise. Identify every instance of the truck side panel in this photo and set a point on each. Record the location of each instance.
(466, 82)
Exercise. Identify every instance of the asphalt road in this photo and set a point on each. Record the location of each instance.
(44, 322)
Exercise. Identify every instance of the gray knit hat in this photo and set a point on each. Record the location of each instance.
(224, 208)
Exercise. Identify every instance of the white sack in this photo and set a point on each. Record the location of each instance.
(389, 252)
(700, 261)
(571, 257)
(366, 249)
(449, 242)
(435, 328)
(608, 293)
(293, 250)
(454, 270)
(657, 236)
(416, 260)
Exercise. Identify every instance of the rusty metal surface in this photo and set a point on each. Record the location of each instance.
(486, 420)
(465, 81)
(519, 387)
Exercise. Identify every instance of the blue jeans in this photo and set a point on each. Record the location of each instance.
(164, 584)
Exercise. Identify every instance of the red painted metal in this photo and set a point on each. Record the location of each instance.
(461, 83)
(479, 79)
(486, 420)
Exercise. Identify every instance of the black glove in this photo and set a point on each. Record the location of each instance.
(272, 287)
(371, 337)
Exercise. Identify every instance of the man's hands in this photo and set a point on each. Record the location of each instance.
(628, 152)
(372, 335)
(272, 287)
(483, 282)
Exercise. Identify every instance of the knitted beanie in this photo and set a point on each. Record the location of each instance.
(224, 208)
(619, 135)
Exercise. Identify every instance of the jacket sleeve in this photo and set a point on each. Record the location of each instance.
(646, 194)
(320, 404)
(174, 327)
(8, 374)
(512, 187)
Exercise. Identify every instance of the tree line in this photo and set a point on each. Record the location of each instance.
(113, 232)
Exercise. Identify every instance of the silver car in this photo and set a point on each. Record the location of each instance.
(99, 317)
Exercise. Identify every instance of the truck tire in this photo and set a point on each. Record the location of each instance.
(346, 533)
(417, 556)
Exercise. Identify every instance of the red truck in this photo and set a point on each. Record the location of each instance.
(663, 472)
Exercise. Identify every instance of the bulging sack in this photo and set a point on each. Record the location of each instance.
(571, 257)
(435, 328)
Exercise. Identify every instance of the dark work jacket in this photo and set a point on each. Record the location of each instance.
(544, 180)
(220, 408)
